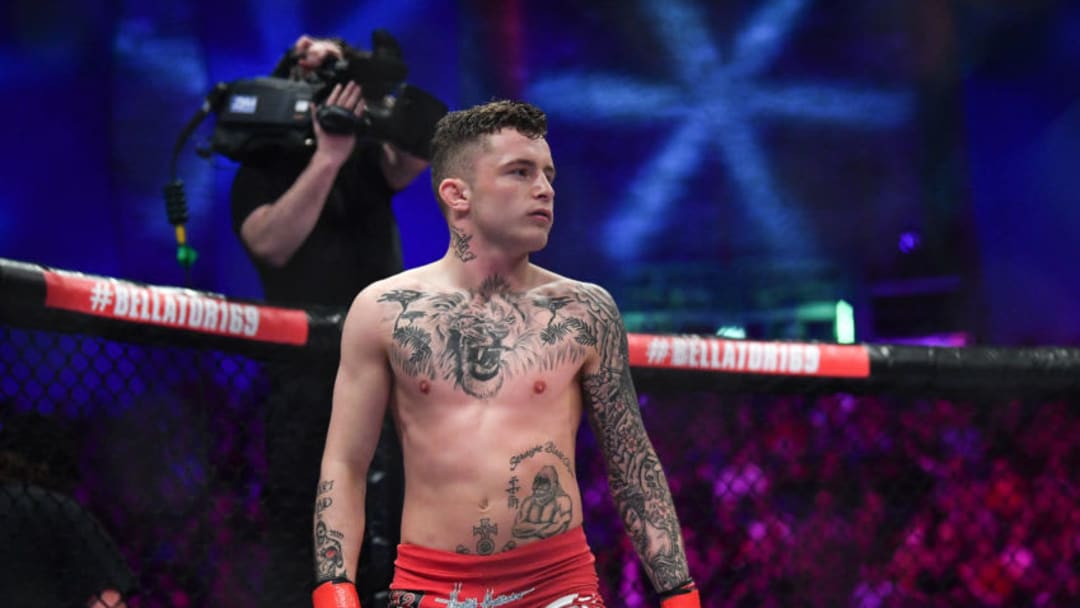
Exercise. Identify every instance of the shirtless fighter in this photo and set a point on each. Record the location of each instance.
(487, 364)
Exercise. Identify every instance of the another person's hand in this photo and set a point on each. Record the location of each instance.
(335, 147)
(313, 51)
(109, 598)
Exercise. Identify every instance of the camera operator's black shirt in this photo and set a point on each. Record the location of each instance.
(354, 243)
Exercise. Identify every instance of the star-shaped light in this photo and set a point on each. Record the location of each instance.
(712, 102)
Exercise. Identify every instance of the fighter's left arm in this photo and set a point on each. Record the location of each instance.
(636, 478)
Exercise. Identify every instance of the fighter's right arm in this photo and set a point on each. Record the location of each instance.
(361, 392)
(274, 231)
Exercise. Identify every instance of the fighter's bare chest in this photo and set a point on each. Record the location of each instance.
(480, 345)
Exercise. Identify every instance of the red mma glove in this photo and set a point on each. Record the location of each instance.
(338, 593)
(683, 596)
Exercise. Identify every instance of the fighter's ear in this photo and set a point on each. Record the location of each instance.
(455, 193)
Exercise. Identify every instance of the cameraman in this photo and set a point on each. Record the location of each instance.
(319, 227)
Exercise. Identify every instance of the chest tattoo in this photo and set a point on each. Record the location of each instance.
(478, 339)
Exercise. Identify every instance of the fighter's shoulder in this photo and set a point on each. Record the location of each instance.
(407, 285)
(556, 285)
(368, 311)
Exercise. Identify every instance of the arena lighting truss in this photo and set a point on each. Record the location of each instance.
(40, 297)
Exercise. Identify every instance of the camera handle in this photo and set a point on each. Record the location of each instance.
(407, 120)
(338, 120)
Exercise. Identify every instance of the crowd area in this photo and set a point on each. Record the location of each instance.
(868, 501)
(864, 501)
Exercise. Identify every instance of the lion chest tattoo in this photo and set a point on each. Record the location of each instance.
(479, 339)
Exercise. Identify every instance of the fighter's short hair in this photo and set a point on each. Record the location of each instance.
(457, 133)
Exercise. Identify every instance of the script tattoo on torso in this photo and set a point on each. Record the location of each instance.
(479, 338)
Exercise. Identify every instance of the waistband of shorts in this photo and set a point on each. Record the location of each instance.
(570, 547)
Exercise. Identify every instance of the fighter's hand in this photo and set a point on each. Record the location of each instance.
(335, 594)
(346, 103)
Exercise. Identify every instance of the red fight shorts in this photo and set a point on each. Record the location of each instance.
(557, 572)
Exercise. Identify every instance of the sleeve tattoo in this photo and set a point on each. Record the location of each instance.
(636, 478)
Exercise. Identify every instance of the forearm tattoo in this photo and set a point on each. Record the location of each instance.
(637, 481)
(329, 560)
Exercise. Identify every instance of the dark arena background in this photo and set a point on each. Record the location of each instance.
(842, 236)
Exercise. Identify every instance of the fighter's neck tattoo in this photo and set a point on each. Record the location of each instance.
(480, 337)
(460, 244)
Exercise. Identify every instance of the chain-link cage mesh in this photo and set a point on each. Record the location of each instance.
(863, 500)
(147, 461)
(164, 449)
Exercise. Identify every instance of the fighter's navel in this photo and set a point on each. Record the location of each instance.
(539, 387)
(485, 504)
